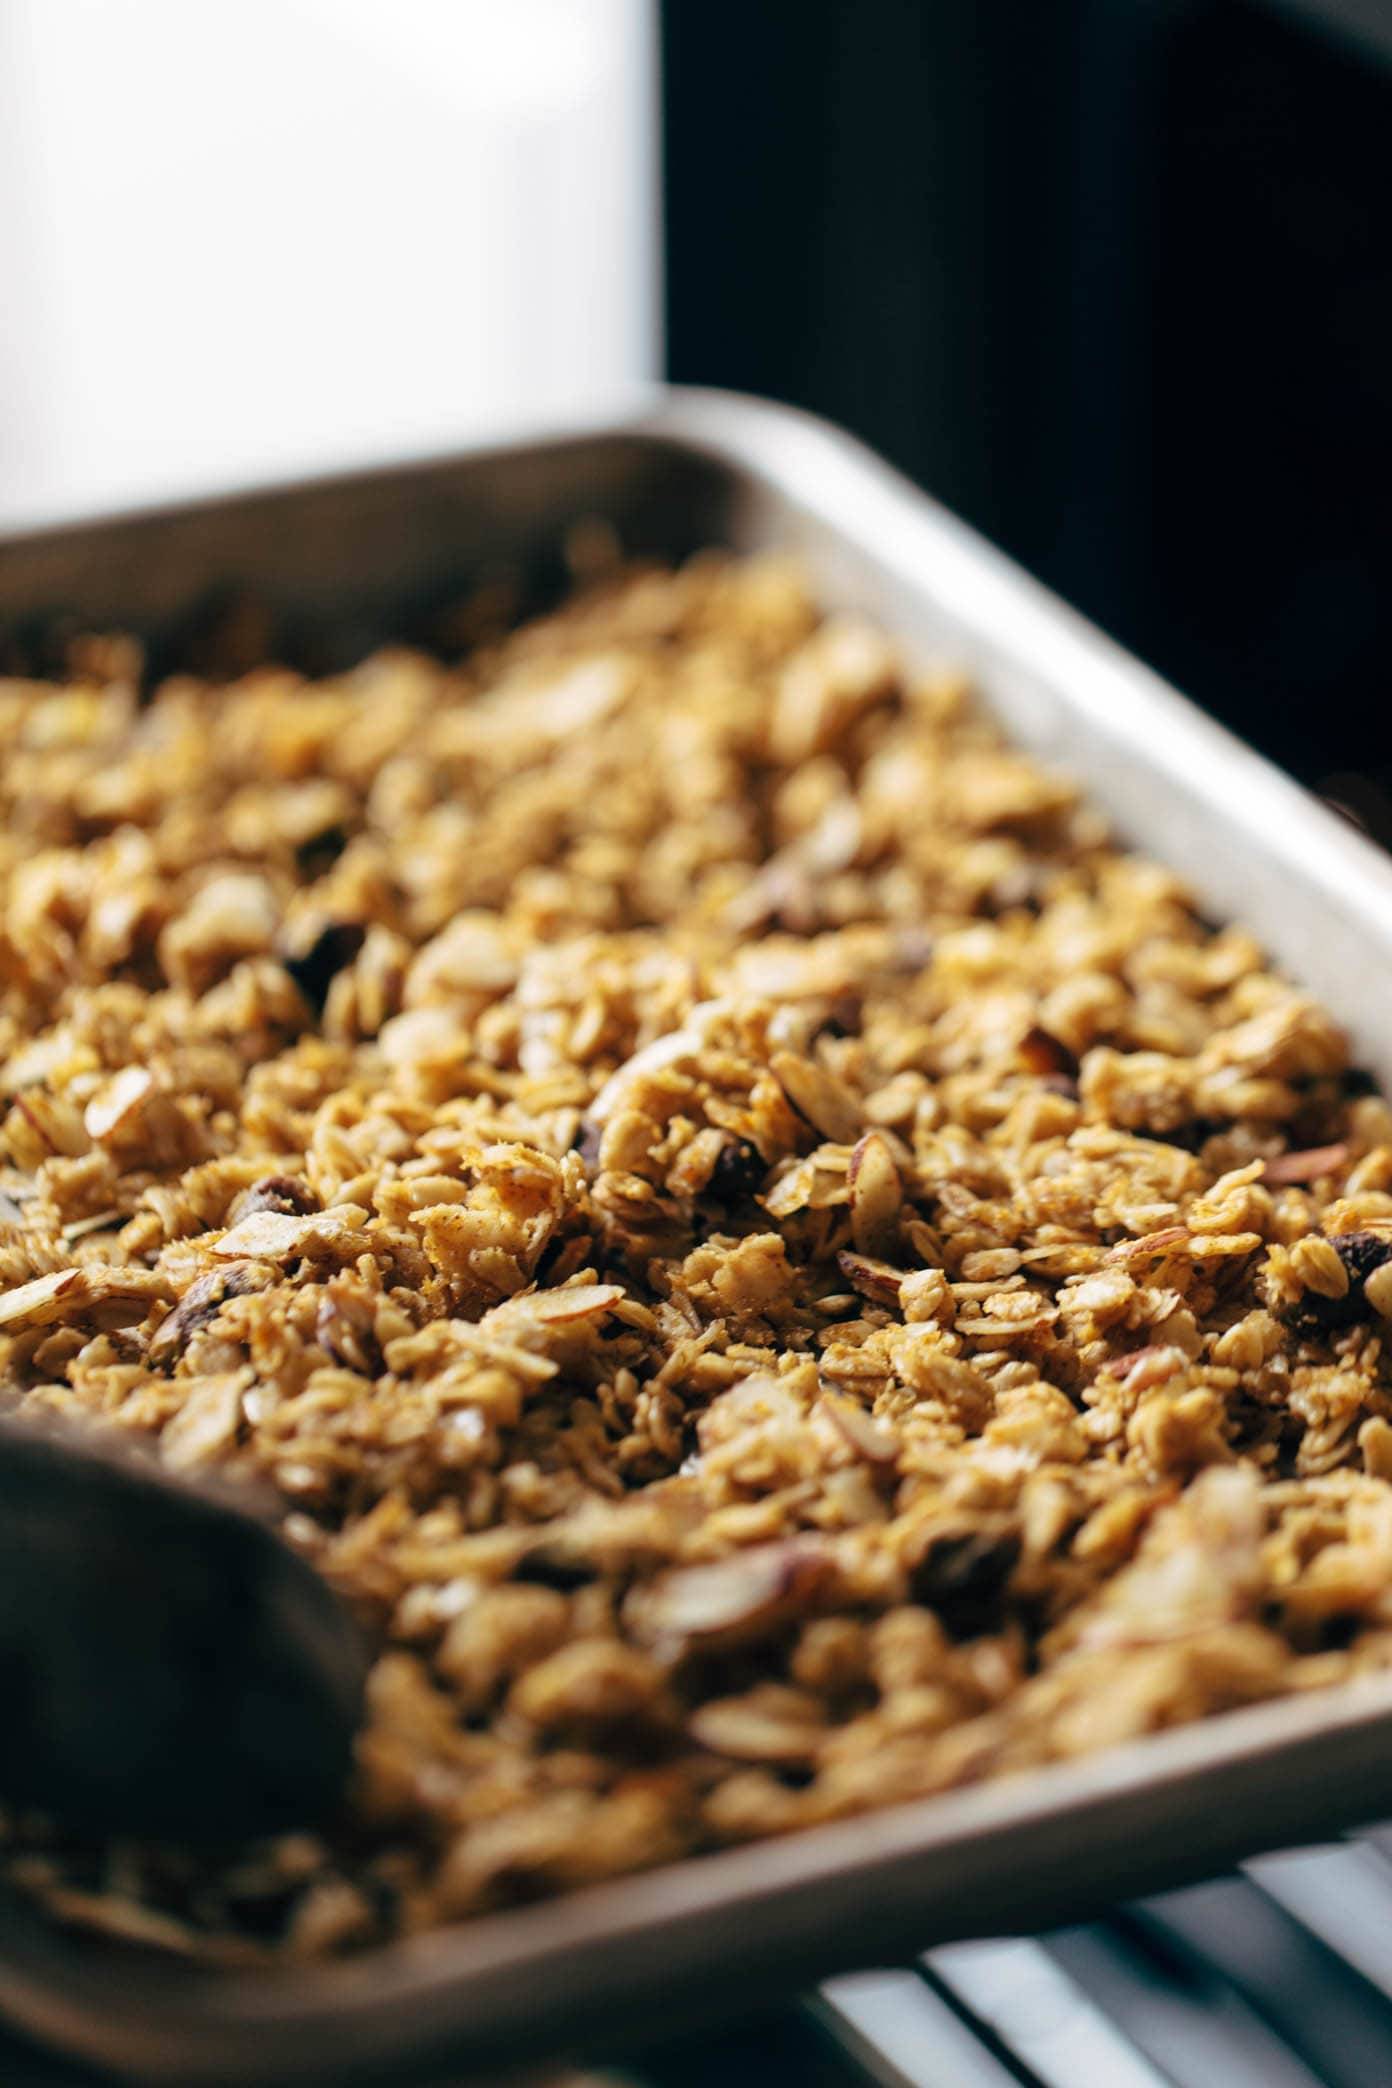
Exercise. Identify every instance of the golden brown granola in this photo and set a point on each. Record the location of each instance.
(775, 1266)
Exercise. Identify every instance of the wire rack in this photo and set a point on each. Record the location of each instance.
(1277, 1977)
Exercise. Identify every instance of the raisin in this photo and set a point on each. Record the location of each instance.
(283, 1193)
(738, 1171)
(1357, 1081)
(555, 1562)
(1047, 1055)
(1360, 1253)
(319, 852)
(962, 1576)
(843, 1018)
(316, 968)
(201, 1303)
(344, 1330)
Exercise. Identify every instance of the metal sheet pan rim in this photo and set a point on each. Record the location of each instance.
(832, 1894)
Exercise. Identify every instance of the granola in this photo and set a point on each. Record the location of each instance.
(775, 1266)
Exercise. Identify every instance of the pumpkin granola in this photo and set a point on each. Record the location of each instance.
(775, 1266)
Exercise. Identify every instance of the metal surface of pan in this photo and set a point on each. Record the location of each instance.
(341, 563)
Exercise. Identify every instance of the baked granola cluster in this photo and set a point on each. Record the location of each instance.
(775, 1266)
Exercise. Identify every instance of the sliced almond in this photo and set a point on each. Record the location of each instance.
(285, 1236)
(100, 1221)
(118, 1105)
(1306, 1165)
(577, 1302)
(818, 1096)
(673, 1049)
(877, 1196)
(1151, 1246)
(60, 1295)
(747, 1733)
(868, 1437)
(873, 1279)
(207, 1422)
(732, 1601)
(1148, 1366)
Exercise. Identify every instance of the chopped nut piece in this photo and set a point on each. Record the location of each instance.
(1149, 1366)
(345, 1328)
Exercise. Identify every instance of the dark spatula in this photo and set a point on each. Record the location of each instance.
(168, 1665)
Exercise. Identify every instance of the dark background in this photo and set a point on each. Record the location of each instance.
(1112, 279)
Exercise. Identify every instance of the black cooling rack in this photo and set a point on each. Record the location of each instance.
(1279, 1977)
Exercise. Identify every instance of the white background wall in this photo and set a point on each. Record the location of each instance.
(240, 234)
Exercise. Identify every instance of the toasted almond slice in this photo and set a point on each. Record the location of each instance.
(746, 1733)
(1154, 1245)
(576, 1302)
(1148, 1366)
(207, 1422)
(100, 1221)
(669, 1050)
(118, 1104)
(818, 1096)
(59, 1295)
(877, 1195)
(873, 1279)
(731, 1601)
(285, 1236)
(868, 1437)
(1306, 1165)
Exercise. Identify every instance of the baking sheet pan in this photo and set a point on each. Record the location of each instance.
(341, 563)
